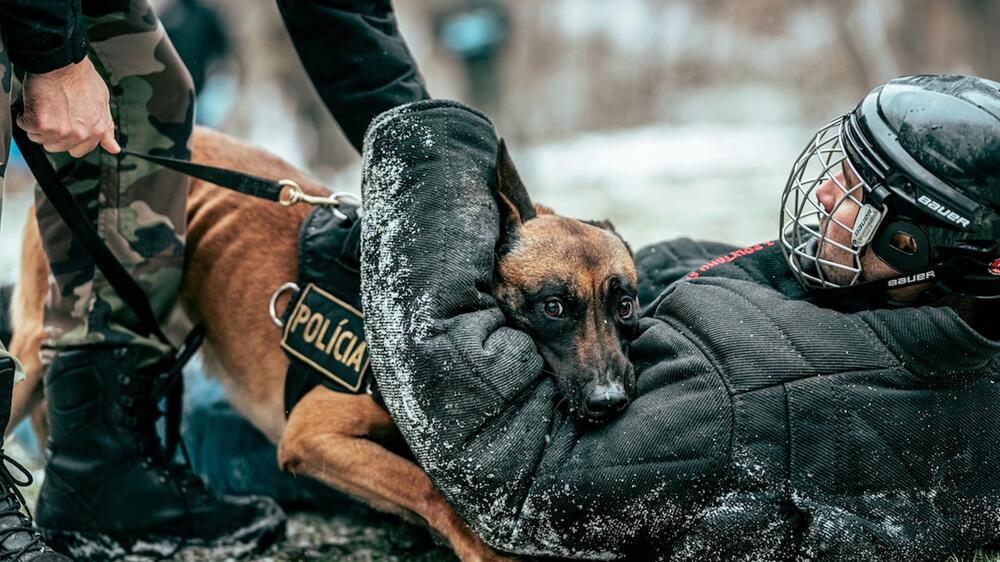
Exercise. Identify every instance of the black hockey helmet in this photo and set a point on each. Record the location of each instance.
(919, 158)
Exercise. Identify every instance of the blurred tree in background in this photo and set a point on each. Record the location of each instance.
(556, 68)
(553, 69)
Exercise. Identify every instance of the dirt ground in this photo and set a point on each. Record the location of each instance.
(354, 537)
(359, 534)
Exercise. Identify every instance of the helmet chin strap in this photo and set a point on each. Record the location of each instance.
(874, 294)
(950, 277)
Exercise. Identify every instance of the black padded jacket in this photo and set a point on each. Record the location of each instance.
(766, 427)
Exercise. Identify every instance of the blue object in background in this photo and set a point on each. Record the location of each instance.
(235, 458)
(14, 159)
(25, 437)
(474, 33)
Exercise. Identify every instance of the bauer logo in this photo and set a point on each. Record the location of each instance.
(943, 212)
(995, 267)
(911, 279)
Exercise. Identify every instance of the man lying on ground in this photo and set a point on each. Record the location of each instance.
(796, 399)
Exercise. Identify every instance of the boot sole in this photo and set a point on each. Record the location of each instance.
(85, 546)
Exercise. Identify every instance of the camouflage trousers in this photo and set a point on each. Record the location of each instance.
(137, 208)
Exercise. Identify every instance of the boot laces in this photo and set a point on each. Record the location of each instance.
(12, 509)
(140, 397)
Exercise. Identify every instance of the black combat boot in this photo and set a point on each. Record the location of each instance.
(109, 491)
(19, 542)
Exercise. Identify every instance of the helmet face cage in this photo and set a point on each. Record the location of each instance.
(822, 251)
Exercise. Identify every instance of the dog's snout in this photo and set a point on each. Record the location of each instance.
(606, 399)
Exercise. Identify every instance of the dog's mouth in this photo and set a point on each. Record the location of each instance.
(598, 418)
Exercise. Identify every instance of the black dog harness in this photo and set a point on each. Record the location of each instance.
(323, 329)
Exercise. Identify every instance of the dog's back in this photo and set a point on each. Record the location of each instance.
(240, 249)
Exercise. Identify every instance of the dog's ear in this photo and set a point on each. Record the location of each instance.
(512, 197)
(606, 225)
(603, 223)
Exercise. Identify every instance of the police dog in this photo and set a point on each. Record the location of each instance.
(568, 283)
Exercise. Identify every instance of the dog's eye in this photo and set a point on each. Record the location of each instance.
(626, 307)
(553, 307)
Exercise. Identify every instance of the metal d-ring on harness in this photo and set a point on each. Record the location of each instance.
(272, 307)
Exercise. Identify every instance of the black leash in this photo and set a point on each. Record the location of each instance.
(285, 192)
(246, 184)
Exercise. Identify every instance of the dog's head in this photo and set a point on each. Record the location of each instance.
(571, 285)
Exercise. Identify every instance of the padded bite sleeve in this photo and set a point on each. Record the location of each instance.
(469, 394)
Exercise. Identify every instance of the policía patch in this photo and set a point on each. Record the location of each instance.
(328, 335)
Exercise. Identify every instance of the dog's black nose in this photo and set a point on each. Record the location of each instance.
(606, 399)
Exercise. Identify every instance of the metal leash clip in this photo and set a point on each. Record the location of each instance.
(334, 200)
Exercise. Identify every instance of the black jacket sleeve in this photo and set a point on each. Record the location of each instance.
(43, 35)
(765, 427)
(660, 264)
(355, 57)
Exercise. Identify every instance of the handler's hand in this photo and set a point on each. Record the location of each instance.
(67, 110)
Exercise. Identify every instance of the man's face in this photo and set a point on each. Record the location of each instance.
(821, 205)
(841, 196)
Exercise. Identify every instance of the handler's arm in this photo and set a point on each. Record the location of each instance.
(469, 394)
(356, 58)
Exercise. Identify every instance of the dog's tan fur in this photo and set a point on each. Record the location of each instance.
(26, 314)
(573, 262)
(240, 249)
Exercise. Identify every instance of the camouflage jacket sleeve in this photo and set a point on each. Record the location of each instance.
(43, 35)
(356, 58)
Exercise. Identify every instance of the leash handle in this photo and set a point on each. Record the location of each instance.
(74, 217)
